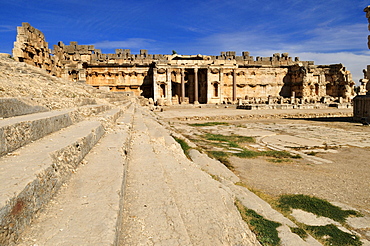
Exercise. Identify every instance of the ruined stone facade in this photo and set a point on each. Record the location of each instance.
(174, 79)
(361, 103)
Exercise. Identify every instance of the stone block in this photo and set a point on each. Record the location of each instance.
(144, 53)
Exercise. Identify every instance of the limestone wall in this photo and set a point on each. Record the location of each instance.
(73, 57)
(118, 78)
(30, 47)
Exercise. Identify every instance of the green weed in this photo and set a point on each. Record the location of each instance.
(264, 229)
(279, 154)
(316, 206)
(300, 232)
(331, 235)
(313, 153)
(222, 157)
(247, 154)
(279, 160)
(232, 138)
(209, 124)
(185, 147)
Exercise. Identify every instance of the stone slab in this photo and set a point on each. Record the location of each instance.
(18, 131)
(190, 208)
(312, 219)
(212, 166)
(359, 222)
(10, 107)
(85, 212)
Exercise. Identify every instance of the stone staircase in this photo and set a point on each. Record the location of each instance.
(114, 175)
(40, 151)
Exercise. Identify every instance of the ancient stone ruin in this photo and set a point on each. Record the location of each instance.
(361, 103)
(184, 79)
(90, 166)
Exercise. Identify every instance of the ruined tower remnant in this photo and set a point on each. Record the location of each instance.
(174, 79)
(30, 47)
(361, 103)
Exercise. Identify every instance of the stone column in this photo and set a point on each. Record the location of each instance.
(155, 85)
(367, 10)
(182, 85)
(292, 98)
(221, 79)
(169, 87)
(234, 85)
(196, 100)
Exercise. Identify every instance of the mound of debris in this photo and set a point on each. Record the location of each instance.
(26, 82)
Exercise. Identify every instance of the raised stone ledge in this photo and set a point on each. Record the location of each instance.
(19, 131)
(10, 107)
(41, 168)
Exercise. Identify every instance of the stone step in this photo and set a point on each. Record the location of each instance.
(87, 210)
(170, 201)
(30, 177)
(10, 107)
(18, 131)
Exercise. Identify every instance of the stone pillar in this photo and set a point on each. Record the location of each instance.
(196, 100)
(367, 10)
(292, 98)
(221, 79)
(155, 85)
(234, 85)
(169, 87)
(182, 100)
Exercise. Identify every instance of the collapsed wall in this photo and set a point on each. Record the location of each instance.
(174, 79)
(30, 47)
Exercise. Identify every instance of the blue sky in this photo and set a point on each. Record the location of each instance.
(331, 31)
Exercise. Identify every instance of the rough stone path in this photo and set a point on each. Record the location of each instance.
(169, 201)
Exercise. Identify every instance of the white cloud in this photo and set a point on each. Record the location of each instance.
(7, 28)
(324, 45)
(339, 38)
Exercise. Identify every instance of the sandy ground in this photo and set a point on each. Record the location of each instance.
(346, 179)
